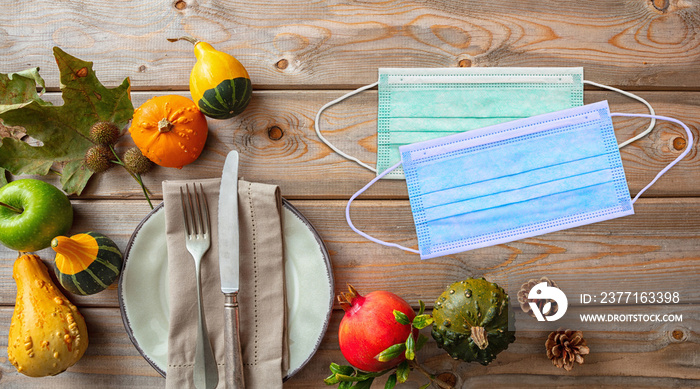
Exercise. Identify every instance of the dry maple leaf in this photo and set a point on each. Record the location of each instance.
(62, 131)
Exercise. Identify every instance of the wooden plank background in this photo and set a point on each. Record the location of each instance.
(302, 45)
(303, 54)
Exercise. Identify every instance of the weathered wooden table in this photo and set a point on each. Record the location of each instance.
(301, 54)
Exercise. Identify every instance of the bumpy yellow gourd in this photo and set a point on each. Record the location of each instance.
(47, 333)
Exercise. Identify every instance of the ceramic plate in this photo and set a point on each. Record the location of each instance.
(145, 274)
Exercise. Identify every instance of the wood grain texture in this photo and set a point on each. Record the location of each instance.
(305, 168)
(653, 359)
(301, 55)
(294, 44)
(658, 247)
(107, 217)
(614, 355)
(111, 360)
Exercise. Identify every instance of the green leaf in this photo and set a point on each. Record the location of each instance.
(422, 321)
(391, 352)
(426, 386)
(331, 380)
(402, 372)
(391, 382)
(366, 384)
(3, 177)
(19, 89)
(422, 340)
(363, 375)
(346, 378)
(410, 348)
(336, 378)
(339, 369)
(401, 317)
(422, 307)
(62, 130)
(345, 385)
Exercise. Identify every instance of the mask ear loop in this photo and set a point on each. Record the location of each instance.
(661, 173)
(675, 161)
(317, 120)
(366, 236)
(317, 125)
(631, 95)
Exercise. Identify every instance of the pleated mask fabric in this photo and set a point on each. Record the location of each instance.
(515, 180)
(416, 105)
(419, 104)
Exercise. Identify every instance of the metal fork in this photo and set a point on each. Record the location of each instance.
(198, 241)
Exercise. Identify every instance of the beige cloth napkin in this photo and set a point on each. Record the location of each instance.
(262, 291)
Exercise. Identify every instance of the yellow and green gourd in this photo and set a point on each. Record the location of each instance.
(86, 263)
(471, 321)
(219, 84)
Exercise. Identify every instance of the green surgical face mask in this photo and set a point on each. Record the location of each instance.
(416, 105)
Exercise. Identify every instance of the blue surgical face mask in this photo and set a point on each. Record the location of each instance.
(515, 180)
(420, 104)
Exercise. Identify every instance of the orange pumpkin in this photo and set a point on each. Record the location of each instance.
(169, 130)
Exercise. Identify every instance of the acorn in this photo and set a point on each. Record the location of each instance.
(136, 162)
(104, 133)
(98, 158)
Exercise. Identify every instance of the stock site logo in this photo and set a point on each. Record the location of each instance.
(542, 291)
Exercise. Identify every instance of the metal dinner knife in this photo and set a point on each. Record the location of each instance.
(229, 268)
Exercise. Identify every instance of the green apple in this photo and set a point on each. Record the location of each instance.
(32, 212)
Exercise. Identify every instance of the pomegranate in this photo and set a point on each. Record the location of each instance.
(369, 327)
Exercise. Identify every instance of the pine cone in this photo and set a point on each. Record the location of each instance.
(566, 346)
(525, 291)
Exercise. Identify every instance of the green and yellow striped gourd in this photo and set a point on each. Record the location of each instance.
(86, 263)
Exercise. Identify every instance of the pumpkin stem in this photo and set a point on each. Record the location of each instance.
(184, 38)
(60, 243)
(164, 125)
(11, 208)
(77, 243)
(479, 337)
